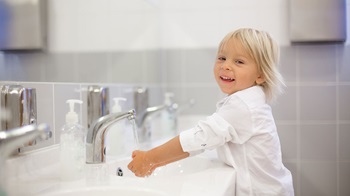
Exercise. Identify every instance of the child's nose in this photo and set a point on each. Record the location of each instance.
(226, 66)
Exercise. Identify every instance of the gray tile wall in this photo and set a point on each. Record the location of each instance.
(313, 115)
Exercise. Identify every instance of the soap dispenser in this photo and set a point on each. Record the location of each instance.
(168, 116)
(116, 135)
(72, 145)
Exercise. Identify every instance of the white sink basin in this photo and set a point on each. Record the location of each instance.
(200, 175)
(183, 167)
(39, 175)
(107, 191)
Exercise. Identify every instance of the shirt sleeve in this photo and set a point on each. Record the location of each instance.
(231, 123)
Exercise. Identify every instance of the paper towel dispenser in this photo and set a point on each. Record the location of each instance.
(23, 24)
(317, 20)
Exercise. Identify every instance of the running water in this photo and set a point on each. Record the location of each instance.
(135, 130)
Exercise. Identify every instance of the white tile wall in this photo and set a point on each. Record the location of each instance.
(289, 141)
(344, 106)
(318, 103)
(318, 142)
(320, 59)
(318, 178)
(285, 107)
(343, 142)
(344, 178)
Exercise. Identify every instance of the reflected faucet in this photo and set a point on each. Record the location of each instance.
(144, 112)
(11, 139)
(145, 132)
(95, 144)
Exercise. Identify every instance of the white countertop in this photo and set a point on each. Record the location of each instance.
(38, 173)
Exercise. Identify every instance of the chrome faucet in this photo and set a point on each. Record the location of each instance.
(11, 139)
(142, 121)
(144, 112)
(95, 140)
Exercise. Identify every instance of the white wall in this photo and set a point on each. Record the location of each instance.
(113, 25)
(102, 25)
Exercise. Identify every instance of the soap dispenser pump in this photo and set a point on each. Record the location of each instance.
(72, 116)
(72, 145)
(116, 135)
(117, 107)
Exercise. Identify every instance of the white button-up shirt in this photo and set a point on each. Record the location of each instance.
(244, 133)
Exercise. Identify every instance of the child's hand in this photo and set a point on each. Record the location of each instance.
(145, 162)
(141, 165)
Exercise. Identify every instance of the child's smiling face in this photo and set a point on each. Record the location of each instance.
(235, 69)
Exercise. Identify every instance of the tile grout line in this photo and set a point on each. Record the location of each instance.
(298, 191)
(337, 63)
(54, 115)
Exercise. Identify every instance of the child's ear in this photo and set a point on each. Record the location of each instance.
(260, 79)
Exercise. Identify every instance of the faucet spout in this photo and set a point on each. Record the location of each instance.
(148, 112)
(96, 135)
(11, 139)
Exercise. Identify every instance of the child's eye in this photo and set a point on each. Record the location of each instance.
(221, 58)
(239, 62)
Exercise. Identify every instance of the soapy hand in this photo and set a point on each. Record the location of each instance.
(145, 162)
(141, 165)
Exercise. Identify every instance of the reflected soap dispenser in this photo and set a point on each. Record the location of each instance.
(169, 116)
(116, 135)
(72, 145)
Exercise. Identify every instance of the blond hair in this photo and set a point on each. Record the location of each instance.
(265, 52)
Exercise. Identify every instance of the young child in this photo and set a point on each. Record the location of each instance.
(242, 129)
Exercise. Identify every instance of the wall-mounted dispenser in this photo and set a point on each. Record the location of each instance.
(317, 21)
(23, 24)
(20, 102)
(97, 103)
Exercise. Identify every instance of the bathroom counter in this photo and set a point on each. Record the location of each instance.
(38, 174)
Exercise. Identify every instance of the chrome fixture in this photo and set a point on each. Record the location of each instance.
(13, 138)
(16, 16)
(97, 132)
(142, 121)
(97, 103)
(20, 102)
(185, 106)
(144, 112)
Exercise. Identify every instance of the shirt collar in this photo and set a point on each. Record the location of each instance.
(249, 95)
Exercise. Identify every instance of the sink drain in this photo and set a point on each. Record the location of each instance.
(119, 171)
